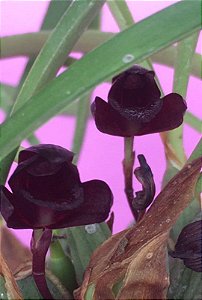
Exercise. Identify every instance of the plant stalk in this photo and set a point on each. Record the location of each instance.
(128, 163)
(40, 243)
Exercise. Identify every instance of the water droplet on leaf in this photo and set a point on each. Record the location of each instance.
(91, 228)
(149, 255)
(128, 58)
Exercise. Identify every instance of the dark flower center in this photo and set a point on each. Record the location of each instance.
(73, 200)
(145, 114)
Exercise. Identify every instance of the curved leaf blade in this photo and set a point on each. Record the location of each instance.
(166, 27)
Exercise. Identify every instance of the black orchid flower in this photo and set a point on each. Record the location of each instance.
(47, 192)
(135, 108)
(189, 246)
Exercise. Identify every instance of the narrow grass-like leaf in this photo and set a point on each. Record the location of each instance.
(30, 291)
(7, 95)
(185, 283)
(121, 13)
(61, 266)
(185, 51)
(31, 43)
(81, 125)
(54, 13)
(160, 30)
(82, 244)
(124, 19)
(175, 137)
(168, 56)
(196, 152)
(74, 21)
(83, 111)
(193, 121)
(72, 24)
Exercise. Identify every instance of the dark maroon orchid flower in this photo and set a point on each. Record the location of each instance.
(47, 192)
(189, 246)
(135, 108)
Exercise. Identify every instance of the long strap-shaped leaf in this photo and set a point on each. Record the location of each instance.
(130, 46)
(77, 16)
(52, 56)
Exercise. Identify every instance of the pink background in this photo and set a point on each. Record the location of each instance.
(102, 154)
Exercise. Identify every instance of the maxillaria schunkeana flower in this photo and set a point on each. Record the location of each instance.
(189, 246)
(135, 108)
(47, 192)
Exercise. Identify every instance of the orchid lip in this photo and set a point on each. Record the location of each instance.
(73, 200)
(142, 114)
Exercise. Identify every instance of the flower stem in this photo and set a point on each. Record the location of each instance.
(128, 163)
(40, 243)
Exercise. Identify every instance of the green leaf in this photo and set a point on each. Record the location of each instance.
(193, 121)
(3, 291)
(121, 13)
(29, 290)
(30, 44)
(83, 111)
(61, 266)
(184, 283)
(159, 31)
(61, 41)
(7, 96)
(185, 51)
(82, 244)
(185, 218)
(77, 17)
(167, 57)
(89, 293)
(54, 13)
(194, 207)
(196, 153)
(124, 18)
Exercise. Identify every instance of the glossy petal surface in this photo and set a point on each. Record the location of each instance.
(135, 108)
(98, 200)
(170, 116)
(189, 246)
(109, 121)
(53, 153)
(135, 87)
(48, 193)
(11, 214)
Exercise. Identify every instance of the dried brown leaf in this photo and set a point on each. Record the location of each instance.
(10, 283)
(151, 279)
(137, 256)
(17, 256)
(170, 152)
